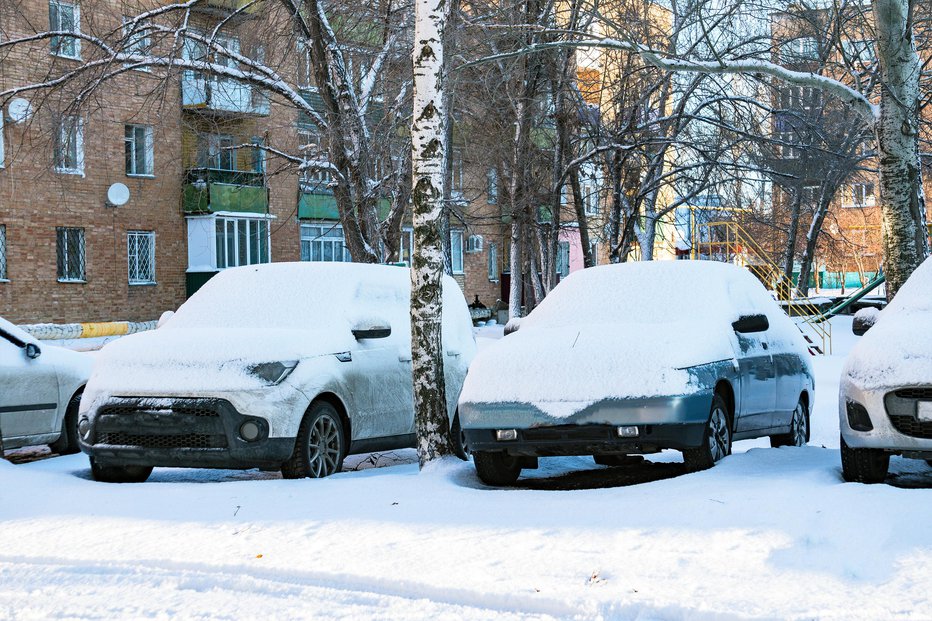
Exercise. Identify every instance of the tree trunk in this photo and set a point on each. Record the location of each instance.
(581, 219)
(431, 419)
(785, 286)
(812, 240)
(902, 202)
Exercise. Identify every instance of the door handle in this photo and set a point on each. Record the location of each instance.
(764, 345)
(404, 356)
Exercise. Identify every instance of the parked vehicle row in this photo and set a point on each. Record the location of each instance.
(294, 366)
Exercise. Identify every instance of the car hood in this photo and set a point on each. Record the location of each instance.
(896, 351)
(562, 370)
(180, 360)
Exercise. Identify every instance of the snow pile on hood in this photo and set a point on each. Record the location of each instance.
(625, 330)
(897, 351)
(186, 359)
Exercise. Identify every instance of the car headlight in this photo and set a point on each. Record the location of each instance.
(273, 372)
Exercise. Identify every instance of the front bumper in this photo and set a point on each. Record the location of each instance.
(662, 422)
(178, 432)
(894, 421)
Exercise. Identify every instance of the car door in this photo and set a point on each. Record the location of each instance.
(757, 374)
(29, 398)
(383, 365)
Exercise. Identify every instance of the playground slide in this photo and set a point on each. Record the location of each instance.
(851, 299)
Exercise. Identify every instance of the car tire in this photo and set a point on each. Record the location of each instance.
(716, 440)
(67, 442)
(799, 428)
(460, 446)
(119, 474)
(320, 446)
(864, 465)
(497, 467)
(617, 460)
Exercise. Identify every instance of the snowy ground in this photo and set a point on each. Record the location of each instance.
(767, 534)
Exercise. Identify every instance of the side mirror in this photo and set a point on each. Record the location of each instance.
(372, 329)
(864, 320)
(751, 323)
(32, 351)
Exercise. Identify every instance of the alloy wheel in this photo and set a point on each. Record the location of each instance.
(324, 447)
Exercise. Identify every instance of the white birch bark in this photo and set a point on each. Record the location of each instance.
(427, 137)
(902, 201)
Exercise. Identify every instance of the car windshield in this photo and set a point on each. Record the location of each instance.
(287, 296)
(642, 292)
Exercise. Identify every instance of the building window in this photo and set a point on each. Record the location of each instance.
(216, 151)
(65, 17)
(315, 172)
(406, 246)
(563, 258)
(862, 195)
(137, 140)
(323, 242)
(242, 241)
(69, 146)
(456, 170)
(2, 252)
(136, 41)
(493, 263)
(800, 50)
(810, 195)
(590, 196)
(594, 252)
(456, 251)
(491, 186)
(257, 155)
(140, 256)
(787, 146)
(474, 243)
(71, 254)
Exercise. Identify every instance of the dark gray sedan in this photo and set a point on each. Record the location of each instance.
(636, 358)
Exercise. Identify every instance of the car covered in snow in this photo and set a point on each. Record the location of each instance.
(285, 366)
(885, 393)
(635, 358)
(40, 390)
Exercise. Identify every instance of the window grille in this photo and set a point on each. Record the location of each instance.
(140, 256)
(71, 254)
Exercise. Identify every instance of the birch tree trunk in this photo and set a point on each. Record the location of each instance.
(427, 152)
(902, 201)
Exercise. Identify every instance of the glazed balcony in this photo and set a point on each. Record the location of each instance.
(209, 190)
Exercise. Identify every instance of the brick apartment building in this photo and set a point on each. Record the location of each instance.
(850, 252)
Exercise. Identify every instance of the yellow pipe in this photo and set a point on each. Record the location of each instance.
(108, 328)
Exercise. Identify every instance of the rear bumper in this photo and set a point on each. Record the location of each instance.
(180, 432)
(588, 440)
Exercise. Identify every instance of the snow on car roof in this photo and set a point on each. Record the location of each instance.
(291, 295)
(15, 331)
(643, 292)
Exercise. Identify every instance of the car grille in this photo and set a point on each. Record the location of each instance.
(914, 393)
(911, 426)
(580, 433)
(164, 441)
(190, 424)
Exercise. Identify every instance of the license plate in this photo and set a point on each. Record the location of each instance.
(924, 411)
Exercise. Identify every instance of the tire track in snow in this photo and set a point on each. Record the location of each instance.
(381, 594)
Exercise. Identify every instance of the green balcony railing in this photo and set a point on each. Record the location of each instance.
(207, 190)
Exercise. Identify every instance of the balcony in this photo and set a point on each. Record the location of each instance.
(224, 8)
(222, 96)
(208, 190)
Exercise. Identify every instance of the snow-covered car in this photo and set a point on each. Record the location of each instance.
(636, 358)
(40, 389)
(885, 394)
(286, 366)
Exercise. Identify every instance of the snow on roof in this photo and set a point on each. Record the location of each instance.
(291, 295)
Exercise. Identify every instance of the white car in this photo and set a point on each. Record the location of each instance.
(286, 366)
(40, 389)
(885, 398)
